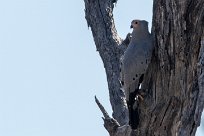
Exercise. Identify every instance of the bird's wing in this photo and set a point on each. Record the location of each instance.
(133, 65)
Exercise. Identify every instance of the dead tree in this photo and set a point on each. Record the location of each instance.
(175, 79)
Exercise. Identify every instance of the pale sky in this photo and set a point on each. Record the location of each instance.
(49, 67)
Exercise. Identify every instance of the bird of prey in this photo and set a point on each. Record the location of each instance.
(134, 64)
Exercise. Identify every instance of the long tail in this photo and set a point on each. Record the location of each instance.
(133, 107)
(133, 111)
(134, 118)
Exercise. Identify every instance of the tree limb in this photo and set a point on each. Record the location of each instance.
(99, 16)
(174, 82)
(111, 125)
(105, 114)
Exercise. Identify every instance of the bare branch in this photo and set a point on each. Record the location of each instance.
(174, 83)
(111, 125)
(105, 114)
(99, 16)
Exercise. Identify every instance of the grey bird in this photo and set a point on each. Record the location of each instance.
(134, 64)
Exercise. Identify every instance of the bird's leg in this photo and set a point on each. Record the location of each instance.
(139, 97)
(140, 93)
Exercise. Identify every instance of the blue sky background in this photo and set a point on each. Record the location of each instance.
(50, 70)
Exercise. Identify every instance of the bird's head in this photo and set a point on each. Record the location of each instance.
(139, 24)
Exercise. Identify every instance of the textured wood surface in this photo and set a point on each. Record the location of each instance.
(99, 15)
(174, 84)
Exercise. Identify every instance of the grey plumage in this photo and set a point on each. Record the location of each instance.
(135, 61)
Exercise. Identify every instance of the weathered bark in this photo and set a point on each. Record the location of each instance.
(100, 18)
(174, 83)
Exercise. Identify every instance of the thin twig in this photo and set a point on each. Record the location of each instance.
(105, 114)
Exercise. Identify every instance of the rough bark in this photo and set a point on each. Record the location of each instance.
(174, 83)
(99, 15)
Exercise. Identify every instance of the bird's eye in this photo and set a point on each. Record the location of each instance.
(136, 22)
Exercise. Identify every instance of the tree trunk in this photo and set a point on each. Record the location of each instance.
(174, 82)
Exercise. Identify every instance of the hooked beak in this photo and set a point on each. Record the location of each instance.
(131, 26)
